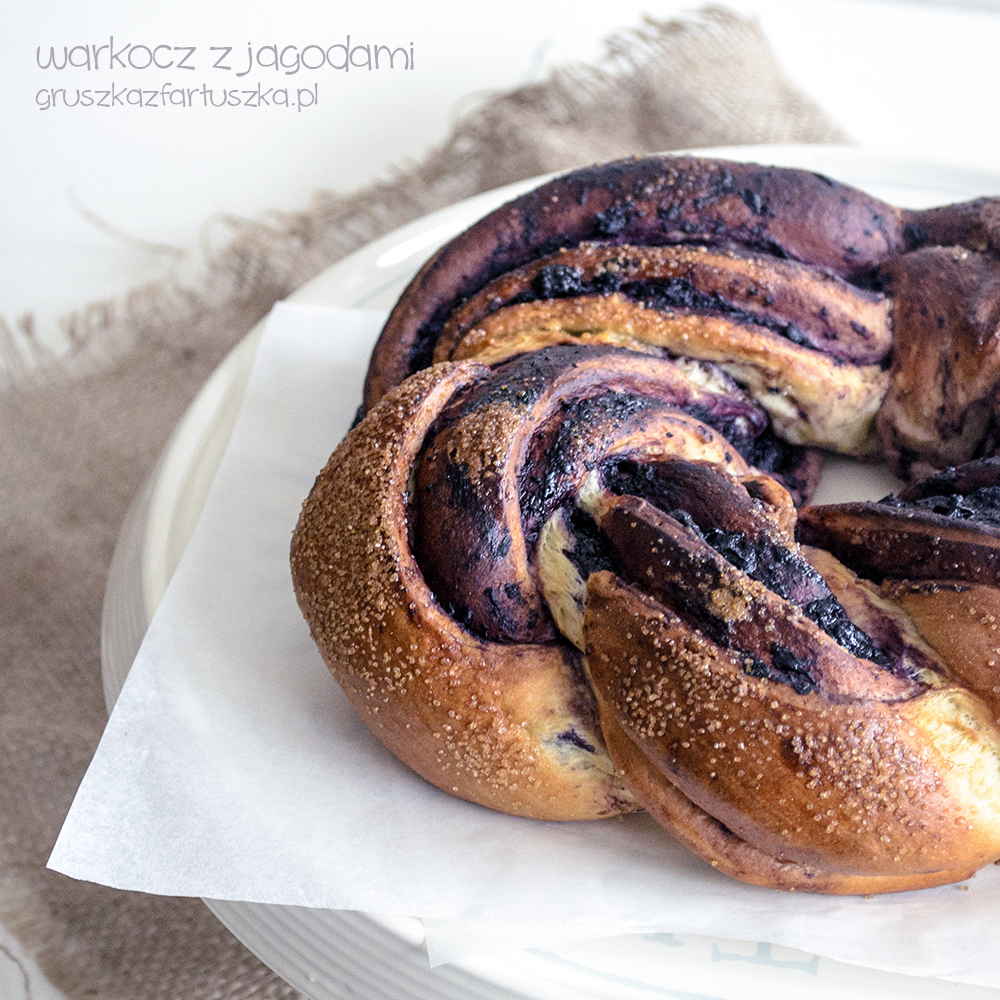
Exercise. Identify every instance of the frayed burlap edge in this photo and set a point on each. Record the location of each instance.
(706, 80)
(79, 434)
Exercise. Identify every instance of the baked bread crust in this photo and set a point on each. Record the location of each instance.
(653, 201)
(557, 568)
(843, 797)
(511, 726)
(937, 269)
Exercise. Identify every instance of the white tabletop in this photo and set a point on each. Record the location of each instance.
(95, 200)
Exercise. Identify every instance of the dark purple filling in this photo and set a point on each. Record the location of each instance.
(981, 505)
(562, 281)
(782, 571)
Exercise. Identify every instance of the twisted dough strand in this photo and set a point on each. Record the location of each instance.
(558, 568)
(939, 266)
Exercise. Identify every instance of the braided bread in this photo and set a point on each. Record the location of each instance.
(565, 566)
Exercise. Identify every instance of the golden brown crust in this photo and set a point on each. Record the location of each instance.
(507, 722)
(810, 397)
(862, 788)
(731, 855)
(961, 621)
(480, 720)
(859, 781)
(807, 305)
(609, 476)
(790, 250)
(796, 214)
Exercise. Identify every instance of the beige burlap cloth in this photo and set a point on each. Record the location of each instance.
(78, 436)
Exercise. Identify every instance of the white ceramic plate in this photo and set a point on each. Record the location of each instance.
(329, 955)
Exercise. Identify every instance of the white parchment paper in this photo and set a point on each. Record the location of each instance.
(233, 768)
